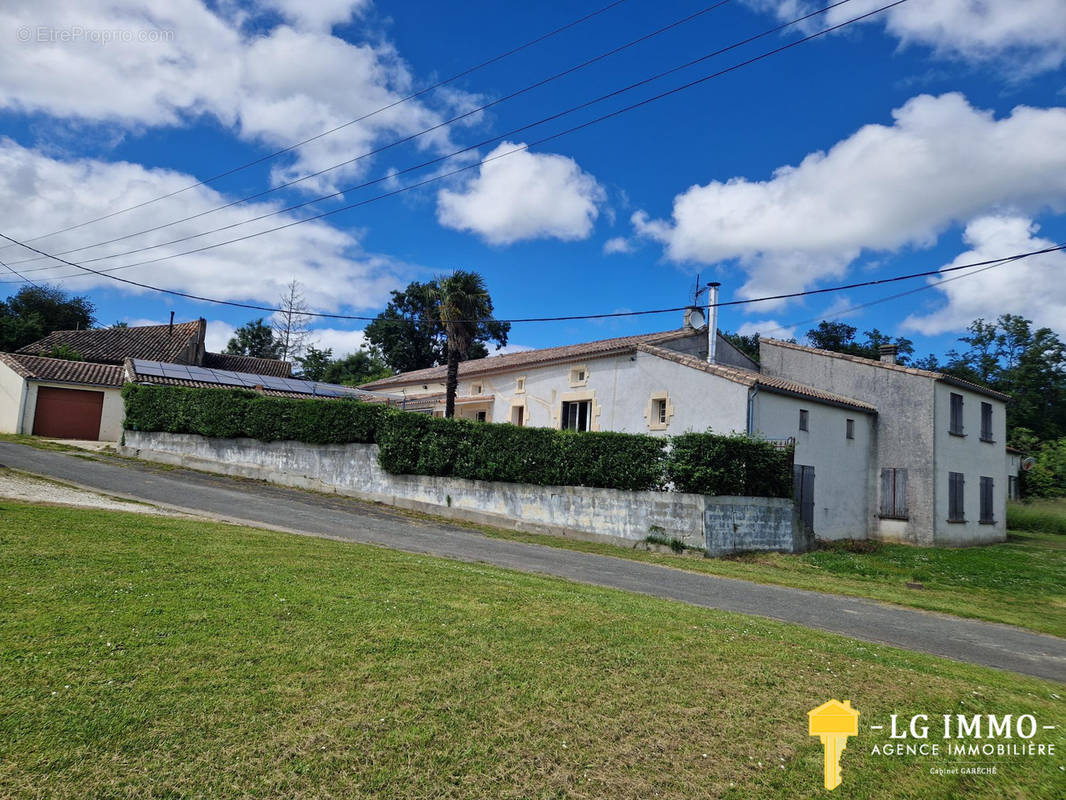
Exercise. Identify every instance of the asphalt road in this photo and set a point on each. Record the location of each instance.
(985, 643)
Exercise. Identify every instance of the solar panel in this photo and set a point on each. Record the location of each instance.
(229, 378)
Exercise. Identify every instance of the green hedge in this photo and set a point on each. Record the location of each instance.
(422, 445)
(225, 413)
(418, 444)
(706, 463)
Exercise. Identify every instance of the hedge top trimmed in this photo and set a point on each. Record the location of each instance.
(702, 463)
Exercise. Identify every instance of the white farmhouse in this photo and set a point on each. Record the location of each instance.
(878, 452)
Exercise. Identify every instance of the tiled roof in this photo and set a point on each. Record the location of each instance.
(749, 378)
(62, 371)
(531, 358)
(869, 362)
(439, 398)
(256, 366)
(112, 345)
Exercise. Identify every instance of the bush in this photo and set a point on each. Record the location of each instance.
(421, 445)
(228, 413)
(418, 444)
(705, 463)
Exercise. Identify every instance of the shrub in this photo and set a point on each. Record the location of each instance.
(228, 413)
(450, 448)
(705, 463)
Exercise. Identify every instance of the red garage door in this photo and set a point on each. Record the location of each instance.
(68, 413)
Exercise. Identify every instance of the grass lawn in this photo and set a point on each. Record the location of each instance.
(1019, 582)
(1048, 516)
(153, 657)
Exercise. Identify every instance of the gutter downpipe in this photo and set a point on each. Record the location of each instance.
(752, 392)
(23, 397)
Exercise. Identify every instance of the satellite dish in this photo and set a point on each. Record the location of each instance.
(695, 319)
(1028, 463)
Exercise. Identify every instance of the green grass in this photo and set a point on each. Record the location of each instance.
(1048, 516)
(1019, 582)
(152, 657)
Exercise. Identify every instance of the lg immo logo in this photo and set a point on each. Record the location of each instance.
(931, 737)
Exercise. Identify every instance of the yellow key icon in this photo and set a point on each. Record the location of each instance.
(833, 722)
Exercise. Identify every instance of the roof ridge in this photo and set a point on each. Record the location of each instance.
(917, 371)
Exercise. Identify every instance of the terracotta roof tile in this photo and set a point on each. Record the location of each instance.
(112, 345)
(869, 362)
(256, 366)
(749, 377)
(62, 371)
(531, 358)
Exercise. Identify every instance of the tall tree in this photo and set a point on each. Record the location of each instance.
(314, 363)
(409, 333)
(464, 306)
(290, 325)
(357, 368)
(839, 337)
(35, 311)
(254, 338)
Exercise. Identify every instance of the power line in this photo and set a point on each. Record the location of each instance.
(487, 160)
(614, 314)
(390, 145)
(366, 116)
(17, 274)
(852, 309)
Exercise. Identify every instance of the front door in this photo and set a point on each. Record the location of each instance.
(803, 493)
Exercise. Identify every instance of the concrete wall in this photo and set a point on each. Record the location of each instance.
(741, 524)
(12, 397)
(845, 493)
(974, 458)
(609, 514)
(112, 415)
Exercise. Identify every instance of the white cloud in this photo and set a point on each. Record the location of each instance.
(885, 187)
(1032, 287)
(511, 348)
(341, 342)
(218, 335)
(39, 193)
(275, 88)
(768, 327)
(618, 244)
(1029, 35)
(524, 196)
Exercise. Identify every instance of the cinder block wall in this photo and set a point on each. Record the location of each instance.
(578, 511)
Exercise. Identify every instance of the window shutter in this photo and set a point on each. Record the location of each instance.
(886, 493)
(900, 500)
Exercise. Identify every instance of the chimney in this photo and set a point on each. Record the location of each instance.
(171, 331)
(888, 353)
(712, 321)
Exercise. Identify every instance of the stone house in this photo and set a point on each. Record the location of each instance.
(878, 448)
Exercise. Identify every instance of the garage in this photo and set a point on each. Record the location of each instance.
(68, 413)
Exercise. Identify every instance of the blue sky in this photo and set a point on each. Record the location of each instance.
(929, 136)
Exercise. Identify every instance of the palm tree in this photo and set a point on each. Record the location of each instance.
(464, 305)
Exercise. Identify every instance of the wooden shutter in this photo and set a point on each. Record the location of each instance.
(887, 493)
(899, 501)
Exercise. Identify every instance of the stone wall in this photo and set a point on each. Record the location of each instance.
(582, 512)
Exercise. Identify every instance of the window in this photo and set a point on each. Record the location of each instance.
(475, 389)
(519, 385)
(659, 410)
(804, 420)
(894, 493)
(518, 415)
(956, 415)
(986, 422)
(956, 506)
(481, 416)
(579, 376)
(849, 429)
(1012, 487)
(575, 415)
(987, 505)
